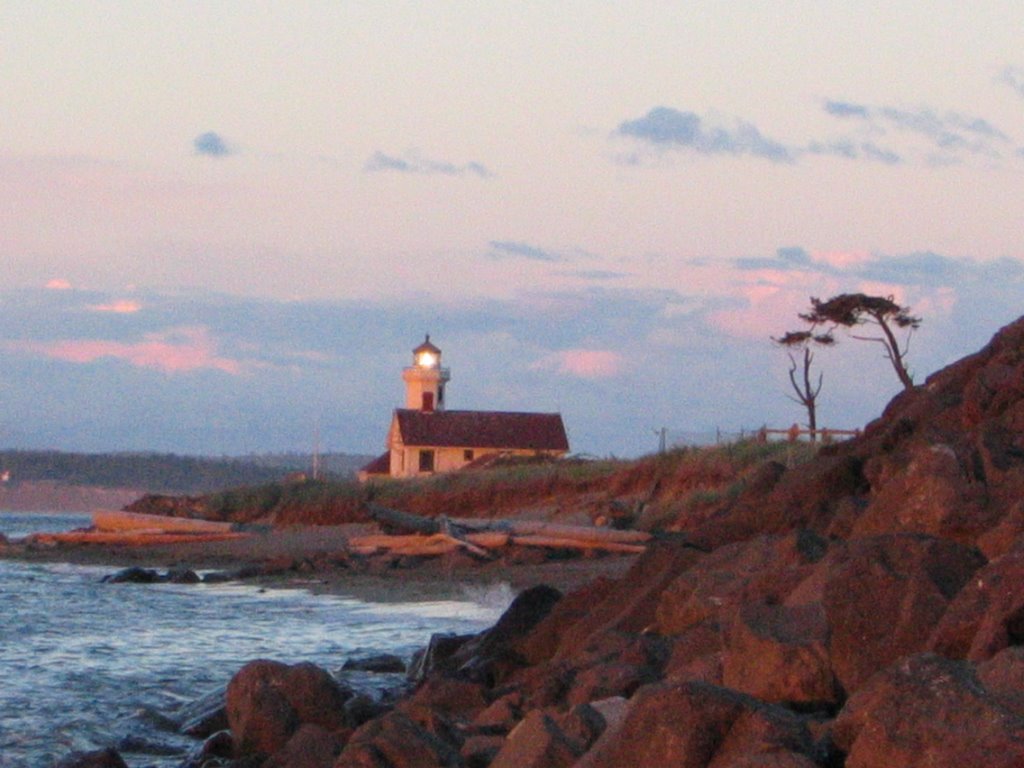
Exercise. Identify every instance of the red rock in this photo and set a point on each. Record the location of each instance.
(311, 746)
(693, 725)
(762, 569)
(987, 615)
(451, 696)
(696, 654)
(543, 641)
(502, 714)
(881, 596)
(268, 700)
(780, 654)
(631, 604)
(805, 497)
(607, 679)
(396, 741)
(479, 751)
(926, 710)
(1003, 677)
(925, 490)
(537, 742)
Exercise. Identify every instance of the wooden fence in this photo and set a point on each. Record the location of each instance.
(795, 432)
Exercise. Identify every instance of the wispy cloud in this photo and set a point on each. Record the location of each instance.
(59, 284)
(1012, 77)
(505, 249)
(947, 132)
(880, 134)
(414, 163)
(117, 307)
(668, 128)
(211, 144)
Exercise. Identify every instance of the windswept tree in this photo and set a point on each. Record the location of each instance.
(858, 310)
(807, 389)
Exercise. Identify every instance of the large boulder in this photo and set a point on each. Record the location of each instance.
(883, 594)
(397, 741)
(987, 615)
(762, 569)
(693, 725)
(927, 710)
(267, 701)
(537, 742)
(780, 653)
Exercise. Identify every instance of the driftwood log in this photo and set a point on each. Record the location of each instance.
(410, 534)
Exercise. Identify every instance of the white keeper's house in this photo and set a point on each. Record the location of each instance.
(426, 438)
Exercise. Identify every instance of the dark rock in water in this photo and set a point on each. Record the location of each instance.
(204, 716)
(362, 708)
(493, 654)
(143, 746)
(382, 662)
(214, 751)
(102, 758)
(183, 576)
(134, 575)
(436, 657)
(158, 721)
(217, 577)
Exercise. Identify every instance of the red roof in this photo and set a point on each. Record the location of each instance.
(379, 466)
(483, 429)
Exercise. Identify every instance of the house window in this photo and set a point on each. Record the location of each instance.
(426, 461)
(467, 455)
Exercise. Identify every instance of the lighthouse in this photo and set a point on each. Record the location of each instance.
(425, 379)
(426, 438)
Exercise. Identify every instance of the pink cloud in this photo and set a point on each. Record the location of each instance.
(120, 307)
(59, 284)
(841, 259)
(582, 363)
(179, 350)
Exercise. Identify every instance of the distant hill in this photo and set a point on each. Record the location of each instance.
(166, 473)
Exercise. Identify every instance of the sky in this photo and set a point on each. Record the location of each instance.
(224, 226)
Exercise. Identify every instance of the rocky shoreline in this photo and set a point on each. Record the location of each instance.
(863, 609)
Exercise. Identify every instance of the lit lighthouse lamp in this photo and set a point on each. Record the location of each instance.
(425, 379)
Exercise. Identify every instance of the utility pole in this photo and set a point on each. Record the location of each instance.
(316, 450)
(662, 439)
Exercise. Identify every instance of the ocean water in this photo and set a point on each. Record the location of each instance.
(85, 665)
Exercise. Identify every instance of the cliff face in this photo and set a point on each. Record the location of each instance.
(945, 459)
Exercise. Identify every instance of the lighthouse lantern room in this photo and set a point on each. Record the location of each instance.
(425, 379)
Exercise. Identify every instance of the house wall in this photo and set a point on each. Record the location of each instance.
(405, 460)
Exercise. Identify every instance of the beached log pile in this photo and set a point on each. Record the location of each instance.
(134, 529)
(408, 534)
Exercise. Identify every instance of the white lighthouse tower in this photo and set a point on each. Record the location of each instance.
(425, 379)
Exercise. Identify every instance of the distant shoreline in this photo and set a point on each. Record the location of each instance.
(51, 496)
